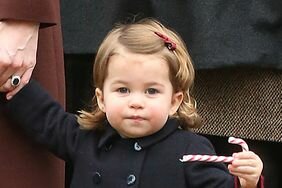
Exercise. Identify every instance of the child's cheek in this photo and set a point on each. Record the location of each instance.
(114, 107)
(157, 112)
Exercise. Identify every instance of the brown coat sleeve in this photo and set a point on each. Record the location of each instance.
(43, 11)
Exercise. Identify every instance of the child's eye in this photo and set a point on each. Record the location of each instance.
(152, 91)
(123, 90)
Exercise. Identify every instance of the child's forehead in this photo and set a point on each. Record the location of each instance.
(131, 60)
(126, 55)
(137, 66)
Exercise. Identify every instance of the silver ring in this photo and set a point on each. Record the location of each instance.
(15, 80)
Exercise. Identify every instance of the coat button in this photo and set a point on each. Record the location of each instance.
(131, 179)
(108, 147)
(97, 178)
(137, 147)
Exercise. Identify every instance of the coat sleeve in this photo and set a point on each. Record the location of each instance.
(206, 174)
(44, 120)
(46, 12)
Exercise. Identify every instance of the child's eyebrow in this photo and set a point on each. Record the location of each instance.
(151, 83)
(120, 82)
(154, 83)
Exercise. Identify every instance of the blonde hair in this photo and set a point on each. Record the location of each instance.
(140, 37)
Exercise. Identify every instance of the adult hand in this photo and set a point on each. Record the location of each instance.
(18, 47)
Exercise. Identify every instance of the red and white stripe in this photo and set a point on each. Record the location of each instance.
(240, 142)
(214, 158)
(207, 158)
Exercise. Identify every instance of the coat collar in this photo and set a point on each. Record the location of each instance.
(110, 135)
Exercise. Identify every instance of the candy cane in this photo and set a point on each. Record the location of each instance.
(240, 142)
(207, 158)
(214, 158)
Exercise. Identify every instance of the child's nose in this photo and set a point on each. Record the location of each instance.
(136, 101)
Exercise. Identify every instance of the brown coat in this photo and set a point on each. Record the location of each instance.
(23, 163)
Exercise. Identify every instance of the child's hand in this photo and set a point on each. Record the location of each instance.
(248, 167)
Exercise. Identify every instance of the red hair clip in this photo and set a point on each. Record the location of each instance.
(168, 43)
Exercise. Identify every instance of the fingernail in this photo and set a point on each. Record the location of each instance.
(9, 97)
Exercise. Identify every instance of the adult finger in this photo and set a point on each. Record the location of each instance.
(24, 80)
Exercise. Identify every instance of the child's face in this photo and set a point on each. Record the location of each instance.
(137, 96)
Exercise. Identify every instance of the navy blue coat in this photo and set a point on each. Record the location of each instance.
(104, 159)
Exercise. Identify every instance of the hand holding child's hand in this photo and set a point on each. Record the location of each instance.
(248, 167)
(18, 48)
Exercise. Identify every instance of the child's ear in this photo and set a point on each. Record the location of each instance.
(100, 99)
(176, 100)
